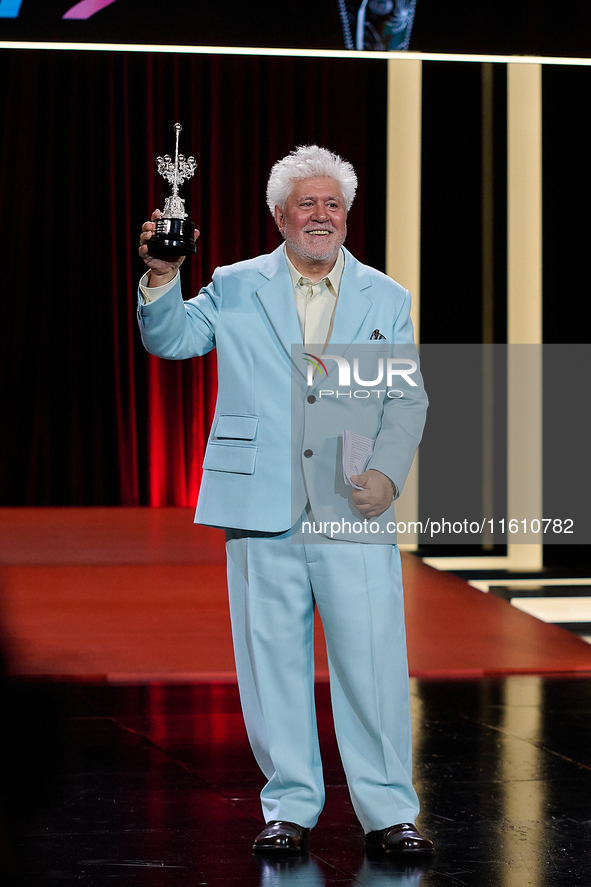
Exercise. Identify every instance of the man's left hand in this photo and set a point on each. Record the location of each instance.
(376, 495)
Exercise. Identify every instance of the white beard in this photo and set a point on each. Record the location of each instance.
(305, 246)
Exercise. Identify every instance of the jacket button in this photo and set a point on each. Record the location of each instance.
(308, 453)
(311, 398)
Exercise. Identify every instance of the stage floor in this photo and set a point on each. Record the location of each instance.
(124, 759)
(155, 786)
(139, 594)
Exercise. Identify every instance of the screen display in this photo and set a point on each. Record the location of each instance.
(526, 27)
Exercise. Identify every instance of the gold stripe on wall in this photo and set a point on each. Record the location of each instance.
(403, 221)
(524, 320)
(524, 204)
(524, 304)
(403, 209)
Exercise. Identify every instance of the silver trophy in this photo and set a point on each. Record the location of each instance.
(174, 232)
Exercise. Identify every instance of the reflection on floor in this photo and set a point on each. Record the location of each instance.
(158, 787)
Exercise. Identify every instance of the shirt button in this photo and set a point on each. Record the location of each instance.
(311, 398)
(308, 453)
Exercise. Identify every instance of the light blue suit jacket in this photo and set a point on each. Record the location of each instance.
(255, 475)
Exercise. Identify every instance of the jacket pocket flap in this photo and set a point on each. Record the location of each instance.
(236, 427)
(226, 457)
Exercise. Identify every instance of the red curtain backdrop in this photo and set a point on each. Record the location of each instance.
(87, 417)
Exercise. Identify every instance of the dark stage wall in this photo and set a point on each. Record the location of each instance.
(87, 417)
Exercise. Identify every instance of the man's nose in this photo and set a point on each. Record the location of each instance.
(320, 214)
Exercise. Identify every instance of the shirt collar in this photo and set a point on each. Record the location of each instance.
(334, 275)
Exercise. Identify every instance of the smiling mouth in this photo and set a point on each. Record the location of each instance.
(319, 232)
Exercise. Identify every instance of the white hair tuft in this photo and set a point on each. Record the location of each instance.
(308, 162)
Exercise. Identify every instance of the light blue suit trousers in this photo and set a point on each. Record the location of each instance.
(274, 584)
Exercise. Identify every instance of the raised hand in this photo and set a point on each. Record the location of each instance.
(162, 270)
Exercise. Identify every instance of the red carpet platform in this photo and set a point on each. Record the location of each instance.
(138, 594)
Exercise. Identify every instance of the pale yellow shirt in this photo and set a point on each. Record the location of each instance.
(151, 293)
(315, 302)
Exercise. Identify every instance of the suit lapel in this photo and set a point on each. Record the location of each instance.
(276, 299)
(351, 310)
(352, 305)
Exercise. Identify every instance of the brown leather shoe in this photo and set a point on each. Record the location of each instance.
(403, 838)
(285, 837)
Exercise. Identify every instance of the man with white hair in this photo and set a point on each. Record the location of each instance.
(266, 450)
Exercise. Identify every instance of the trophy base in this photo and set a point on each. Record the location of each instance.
(172, 237)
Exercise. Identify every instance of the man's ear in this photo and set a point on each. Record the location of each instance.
(279, 218)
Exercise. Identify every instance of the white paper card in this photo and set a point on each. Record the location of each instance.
(356, 452)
